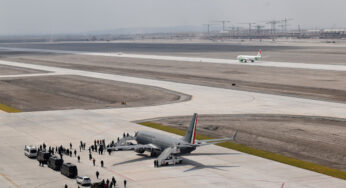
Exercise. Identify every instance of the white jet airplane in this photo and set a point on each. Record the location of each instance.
(246, 58)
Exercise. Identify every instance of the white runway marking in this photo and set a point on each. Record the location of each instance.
(195, 59)
(29, 75)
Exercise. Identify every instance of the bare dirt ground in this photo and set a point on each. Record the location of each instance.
(315, 84)
(71, 92)
(317, 139)
(9, 70)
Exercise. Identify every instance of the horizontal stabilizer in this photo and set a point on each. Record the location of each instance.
(215, 141)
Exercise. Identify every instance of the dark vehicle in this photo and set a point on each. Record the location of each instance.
(55, 163)
(69, 170)
(43, 157)
(97, 185)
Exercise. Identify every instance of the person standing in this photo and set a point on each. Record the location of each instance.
(78, 158)
(125, 182)
(102, 163)
(97, 174)
(94, 161)
(114, 181)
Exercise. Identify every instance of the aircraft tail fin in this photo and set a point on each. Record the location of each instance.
(191, 130)
(259, 54)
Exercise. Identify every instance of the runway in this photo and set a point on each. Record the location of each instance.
(219, 168)
(191, 59)
(208, 100)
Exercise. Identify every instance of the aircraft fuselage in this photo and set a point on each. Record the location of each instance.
(162, 141)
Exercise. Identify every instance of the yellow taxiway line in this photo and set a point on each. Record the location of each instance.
(8, 109)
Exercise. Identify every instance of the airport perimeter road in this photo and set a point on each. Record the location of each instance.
(209, 166)
(206, 100)
(192, 59)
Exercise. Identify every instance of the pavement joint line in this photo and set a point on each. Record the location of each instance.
(9, 180)
(190, 59)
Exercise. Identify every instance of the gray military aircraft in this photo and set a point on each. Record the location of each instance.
(168, 149)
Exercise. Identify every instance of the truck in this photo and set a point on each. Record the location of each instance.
(69, 170)
(171, 160)
(43, 157)
(55, 163)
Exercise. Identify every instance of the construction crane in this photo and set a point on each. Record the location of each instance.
(273, 25)
(285, 21)
(258, 28)
(282, 27)
(223, 22)
(250, 25)
(208, 27)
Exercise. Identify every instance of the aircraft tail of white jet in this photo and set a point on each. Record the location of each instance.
(190, 136)
(259, 54)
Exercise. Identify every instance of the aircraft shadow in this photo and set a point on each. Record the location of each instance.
(142, 158)
(186, 161)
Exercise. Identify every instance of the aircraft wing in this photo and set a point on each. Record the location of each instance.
(214, 141)
(133, 147)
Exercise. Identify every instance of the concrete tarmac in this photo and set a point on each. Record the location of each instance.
(207, 100)
(211, 166)
(192, 59)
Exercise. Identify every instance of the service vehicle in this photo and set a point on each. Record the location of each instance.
(69, 170)
(30, 151)
(55, 162)
(83, 180)
(43, 157)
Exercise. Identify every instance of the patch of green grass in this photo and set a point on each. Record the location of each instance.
(8, 109)
(260, 153)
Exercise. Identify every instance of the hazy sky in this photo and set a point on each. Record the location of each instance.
(80, 16)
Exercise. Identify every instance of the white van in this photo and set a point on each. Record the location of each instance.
(30, 151)
(83, 180)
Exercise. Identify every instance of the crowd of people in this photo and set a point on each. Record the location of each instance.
(98, 146)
